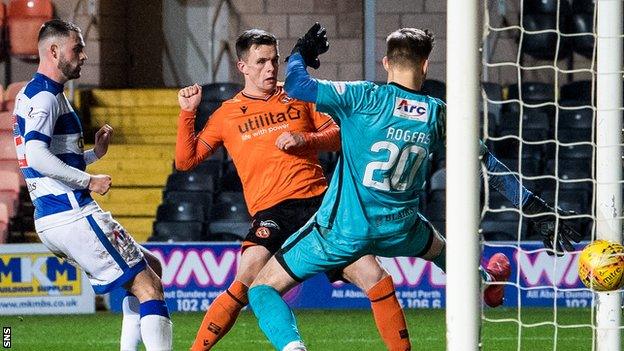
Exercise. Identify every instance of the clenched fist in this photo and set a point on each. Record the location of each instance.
(190, 97)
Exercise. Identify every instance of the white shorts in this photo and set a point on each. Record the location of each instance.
(99, 246)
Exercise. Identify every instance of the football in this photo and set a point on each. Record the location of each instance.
(601, 265)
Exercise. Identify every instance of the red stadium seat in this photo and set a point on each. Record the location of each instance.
(7, 146)
(4, 223)
(9, 190)
(10, 93)
(6, 121)
(25, 18)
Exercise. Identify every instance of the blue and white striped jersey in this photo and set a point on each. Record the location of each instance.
(43, 113)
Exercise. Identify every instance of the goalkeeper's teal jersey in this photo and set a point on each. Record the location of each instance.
(388, 133)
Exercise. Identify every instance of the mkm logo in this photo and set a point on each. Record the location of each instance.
(37, 275)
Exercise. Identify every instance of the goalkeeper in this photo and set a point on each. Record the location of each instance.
(387, 135)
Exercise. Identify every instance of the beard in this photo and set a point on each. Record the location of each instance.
(68, 70)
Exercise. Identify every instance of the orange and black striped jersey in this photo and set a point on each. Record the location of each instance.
(248, 128)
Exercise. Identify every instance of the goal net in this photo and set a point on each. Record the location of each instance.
(551, 108)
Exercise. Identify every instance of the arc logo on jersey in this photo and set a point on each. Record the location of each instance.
(411, 109)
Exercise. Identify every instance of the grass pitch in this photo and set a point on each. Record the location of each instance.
(321, 330)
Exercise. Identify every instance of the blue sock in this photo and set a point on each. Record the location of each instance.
(275, 318)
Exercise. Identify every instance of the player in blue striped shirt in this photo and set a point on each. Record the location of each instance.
(49, 145)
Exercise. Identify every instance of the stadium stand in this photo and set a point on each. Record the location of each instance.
(229, 215)
(212, 96)
(24, 21)
(10, 93)
(139, 161)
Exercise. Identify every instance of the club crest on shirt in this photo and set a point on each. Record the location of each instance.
(411, 109)
(263, 232)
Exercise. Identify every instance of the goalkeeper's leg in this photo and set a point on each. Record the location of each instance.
(224, 310)
(497, 270)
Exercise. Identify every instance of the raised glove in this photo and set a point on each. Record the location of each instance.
(311, 45)
(546, 224)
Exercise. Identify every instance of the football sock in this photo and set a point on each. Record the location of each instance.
(156, 327)
(130, 323)
(389, 315)
(275, 318)
(220, 316)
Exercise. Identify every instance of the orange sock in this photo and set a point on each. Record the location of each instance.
(221, 316)
(389, 315)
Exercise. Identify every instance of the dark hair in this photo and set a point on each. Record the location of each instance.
(409, 46)
(56, 27)
(253, 37)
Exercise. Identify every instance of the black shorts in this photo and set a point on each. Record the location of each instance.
(272, 226)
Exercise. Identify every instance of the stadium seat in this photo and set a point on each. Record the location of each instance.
(180, 212)
(230, 205)
(4, 223)
(212, 96)
(198, 197)
(493, 92)
(178, 231)
(25, 18)
(582, 118)
(532, 92)
(576, 151)
(576, 135)
(9, 190)
(230, 215)
(535, 119)
(579, 90)
(190, 181)
(546, 7)
(543, 46)
(230, 181)
(10, 94)
(583, 44)
(530, 166)
(434, 88)
(212, 166)
(570, 168)
(583, 6)
(6, 121)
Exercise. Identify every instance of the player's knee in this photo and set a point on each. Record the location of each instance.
(147, 286)
(365, 277)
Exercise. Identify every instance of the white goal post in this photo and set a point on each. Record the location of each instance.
(464, 28)
(462, 175)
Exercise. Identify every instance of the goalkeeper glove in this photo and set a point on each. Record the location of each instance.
(311, 45)
(546, 225)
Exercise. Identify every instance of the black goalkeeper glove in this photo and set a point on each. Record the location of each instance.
(311, 45)
(545, 225)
